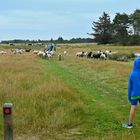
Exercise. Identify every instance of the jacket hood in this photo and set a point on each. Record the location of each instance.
(136, 66)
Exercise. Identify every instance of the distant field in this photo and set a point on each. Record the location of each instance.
(76, 98)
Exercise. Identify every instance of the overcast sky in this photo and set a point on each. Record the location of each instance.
(46, 19)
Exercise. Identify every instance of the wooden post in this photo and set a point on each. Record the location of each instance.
(8, 127)
(59, 57)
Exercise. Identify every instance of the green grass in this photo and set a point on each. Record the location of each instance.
(100, 100)
(102, 86)
(76, 98)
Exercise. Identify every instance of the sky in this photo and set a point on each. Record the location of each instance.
(46, 19)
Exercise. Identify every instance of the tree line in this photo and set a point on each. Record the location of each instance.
(124, 29)
(57, 41)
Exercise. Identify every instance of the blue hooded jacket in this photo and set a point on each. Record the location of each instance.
(134, 81)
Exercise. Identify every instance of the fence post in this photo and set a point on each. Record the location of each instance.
(8, 127)
(59, 57)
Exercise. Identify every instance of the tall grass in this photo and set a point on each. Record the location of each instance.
(102, 86)
(43, 104)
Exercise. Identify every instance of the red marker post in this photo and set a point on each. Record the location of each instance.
(8, 127)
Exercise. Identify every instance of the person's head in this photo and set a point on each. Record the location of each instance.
(136, 65)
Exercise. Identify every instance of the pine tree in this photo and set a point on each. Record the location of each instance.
(135, 18)
(102, 29)
(121, 24)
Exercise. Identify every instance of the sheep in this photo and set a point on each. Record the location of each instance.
(89, 55)
(136, 54)
(103, 55)
(107, 53)
(80, 54)
(35, 52)
(15, 51)
(27, 50)
(45, 54)
(41, 54)
(65, 52)
(96, 55)
(99, 54)
(85, 53)
(2, 52)
(49, 54)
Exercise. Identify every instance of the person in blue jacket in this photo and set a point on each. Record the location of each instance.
(133, 91)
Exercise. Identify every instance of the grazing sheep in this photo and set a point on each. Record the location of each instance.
(41, 54)
(49, 54)
(96, 55)
(27, 50)
(2, 52)
(85, 53)
(136, 54)
(65, 52)
(11, 44)
(107, 53)
(89, 55)
(103, 56)
(35, 51)
(80, 54)
(15, 51)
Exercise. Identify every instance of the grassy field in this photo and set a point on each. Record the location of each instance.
(76, 98)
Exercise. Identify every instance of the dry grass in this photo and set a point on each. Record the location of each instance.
(42, 103)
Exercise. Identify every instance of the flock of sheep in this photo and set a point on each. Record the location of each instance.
(108, 55)
(19, 50)
(40, 53)
(3, 52)
(97, 55)
(16, 51)
(44, 54)
(50, 54)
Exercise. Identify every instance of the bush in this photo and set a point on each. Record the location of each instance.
(119, 57)
(131, 55)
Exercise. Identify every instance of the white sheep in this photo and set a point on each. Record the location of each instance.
(49, 54)
(35, 52)
(2, 52)
(136, 54)
(103, 56)
(85, 53)
(65, 52)
(108, 52)
(41, 54)
(15, 51)
(80, 54)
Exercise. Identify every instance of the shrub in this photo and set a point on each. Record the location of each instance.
(119, 57)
